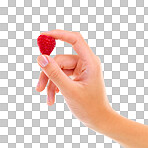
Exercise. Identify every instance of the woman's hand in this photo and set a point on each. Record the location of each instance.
(85, 93)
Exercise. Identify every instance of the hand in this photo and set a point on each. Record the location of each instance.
(84, 94)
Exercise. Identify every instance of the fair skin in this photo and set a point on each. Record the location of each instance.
(85, 92)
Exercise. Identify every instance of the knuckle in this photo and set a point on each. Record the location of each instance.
(97, 63)
(78, 37)
(98, 59)
(78, 34)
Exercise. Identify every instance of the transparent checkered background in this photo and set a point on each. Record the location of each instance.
(116, 31)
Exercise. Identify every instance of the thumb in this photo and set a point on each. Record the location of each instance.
(54, 73)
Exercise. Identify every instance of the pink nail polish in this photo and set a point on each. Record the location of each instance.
(43, 61)
(38, 85)
(48, 99)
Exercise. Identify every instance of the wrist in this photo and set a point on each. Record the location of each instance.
(110, 121)
(104, 120)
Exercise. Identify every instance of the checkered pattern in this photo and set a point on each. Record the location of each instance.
(116, 31)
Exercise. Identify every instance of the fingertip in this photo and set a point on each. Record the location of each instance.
(50, 103)
(40, 57)
(38, 86)
(42, 33)
(48, 33)
(39, 89)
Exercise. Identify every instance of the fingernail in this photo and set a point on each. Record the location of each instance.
(38, 85)
(43, 32)
(42, 60)
(48, 100)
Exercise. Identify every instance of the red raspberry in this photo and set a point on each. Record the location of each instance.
(46, 44)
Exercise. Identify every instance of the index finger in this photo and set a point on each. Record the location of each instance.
(75, 39)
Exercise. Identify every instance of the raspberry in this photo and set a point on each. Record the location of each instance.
(46, 44)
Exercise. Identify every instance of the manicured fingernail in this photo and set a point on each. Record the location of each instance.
(48, 100)
(43, 61)
(38, 85)
(43, 33)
